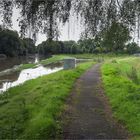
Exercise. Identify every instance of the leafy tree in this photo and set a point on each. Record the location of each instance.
(98, 16)
(37, 15)
(115, 37)
(29, 46)
(69, 46)
(87, 45)
(10, 43)
(50, 47)
(132, 48)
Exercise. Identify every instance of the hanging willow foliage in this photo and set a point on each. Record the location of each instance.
(6, 11)
(100, 14)
(45, 15)
(37, 15)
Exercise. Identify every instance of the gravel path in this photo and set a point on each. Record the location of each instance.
(88, 114)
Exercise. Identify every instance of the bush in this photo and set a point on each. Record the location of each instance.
(132, 48)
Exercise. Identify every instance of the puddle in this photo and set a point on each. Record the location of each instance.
(28, 74)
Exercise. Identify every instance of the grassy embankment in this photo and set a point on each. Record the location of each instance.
(53, 59)
(32, 110)
(121, 79)
(96, 56)
(57, 58)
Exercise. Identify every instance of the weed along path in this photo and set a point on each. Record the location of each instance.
(88, 115)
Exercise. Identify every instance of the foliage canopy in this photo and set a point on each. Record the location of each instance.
(45, 15)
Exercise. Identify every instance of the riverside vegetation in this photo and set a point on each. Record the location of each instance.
(32, 110)
(121, 79)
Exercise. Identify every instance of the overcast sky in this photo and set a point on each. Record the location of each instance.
(71, 30)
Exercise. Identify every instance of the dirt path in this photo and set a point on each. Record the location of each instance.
(88, 114)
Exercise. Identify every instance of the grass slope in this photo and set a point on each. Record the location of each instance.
(120, 80)
(53, 59)
(60, 57)
(32, 110)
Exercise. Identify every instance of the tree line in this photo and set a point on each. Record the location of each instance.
(12, 45)
(100, 19)
(115, 39)
(84, 46)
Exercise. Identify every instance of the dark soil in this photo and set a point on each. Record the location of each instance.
(88, 114)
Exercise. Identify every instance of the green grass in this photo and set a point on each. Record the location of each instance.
(58, 58)
(32, 110)
(53, 59)
(26, 66)
(84, 56)
(123, 91)
(94, 56)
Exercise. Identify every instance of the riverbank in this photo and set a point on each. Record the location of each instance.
(32, 110)
(19, 74)
(20, 67)
(59, 58)
(121, 79)
(52, 62)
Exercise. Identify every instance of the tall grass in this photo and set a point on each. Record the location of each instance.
(121, 86)
(133, 75)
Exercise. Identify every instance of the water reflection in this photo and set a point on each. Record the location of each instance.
(28, 74)
(36, 60)
(11, 62)
(9, 78)
(53, 65)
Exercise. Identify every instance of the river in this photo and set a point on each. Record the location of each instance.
(11, 62)
(13, 79)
